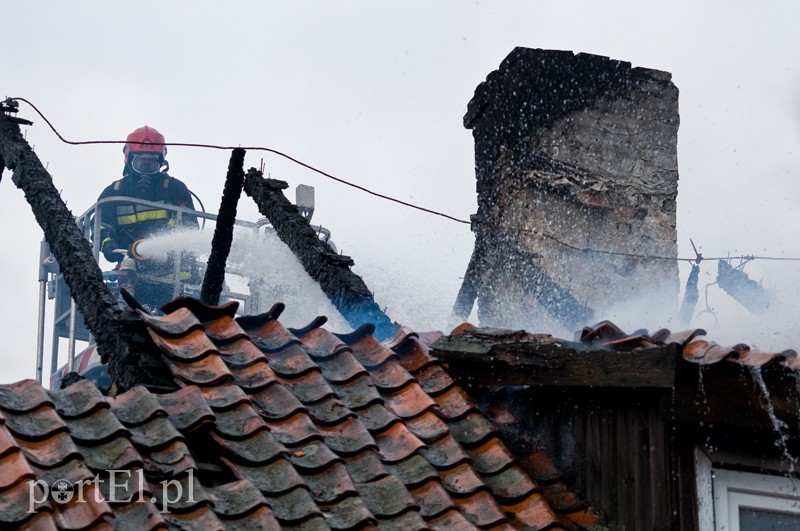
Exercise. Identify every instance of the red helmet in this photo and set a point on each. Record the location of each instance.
(144, 140)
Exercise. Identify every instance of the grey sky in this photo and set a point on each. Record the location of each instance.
(375, 93)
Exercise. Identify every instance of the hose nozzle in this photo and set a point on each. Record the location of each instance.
(134, 252)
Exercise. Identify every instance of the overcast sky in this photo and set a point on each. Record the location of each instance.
(375, 92)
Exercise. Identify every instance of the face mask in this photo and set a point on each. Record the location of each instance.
(146, 164)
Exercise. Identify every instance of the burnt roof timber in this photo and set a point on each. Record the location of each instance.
(346, 290)
(223, 233)
(485, 362)
(119, 334)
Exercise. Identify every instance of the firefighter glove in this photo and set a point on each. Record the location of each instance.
(111, 252)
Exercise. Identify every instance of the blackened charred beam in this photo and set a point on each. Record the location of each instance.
(120, 335)
(345, 289)
(468, 291)
(746, 291)
(223, 234)
(691, 295)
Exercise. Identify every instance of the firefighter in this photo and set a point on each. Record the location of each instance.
(123, 223)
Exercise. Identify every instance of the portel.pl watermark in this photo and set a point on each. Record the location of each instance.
(116, 486)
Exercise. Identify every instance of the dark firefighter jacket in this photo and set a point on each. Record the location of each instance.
(122, 223)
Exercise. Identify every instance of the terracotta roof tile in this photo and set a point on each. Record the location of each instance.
(432, 499)
(291, 362)
(511, 484)
(308, 388)
(36, 424)
(14, 469)
(40, 521)
(77, 514)
(491, 457)
(533, 513)
(445, 453)
(455, 403)
(78, 400)
(205, 372)
(410, 401)
(242, 353)
(452, 519)
(413, 471)
(365, 466)
(461, 480)
(377, 418)
(97, 427)
(397, 443)
(175, 458)
(200, 518)
(7, 443)
(223, 330)
(154, 434)
(14, 504)
(349, 513)
(294, 430)
(225, 397)
(312, 457)
(276, 402)
(471, 430)
(50, 452)
(481, 509)
(330, 484)
(239, 422)
(135, 407)
(269, 426)
(403, 522)
(386, 496)
(236, 499)
(137, 517)
(340, 368)
(175, 324)
(435, 380)
(22, 397)
(428, 427)
(187, 409)
(329, 410)
(294, 506)
(258, 449)
(349, 437)
(359, 393)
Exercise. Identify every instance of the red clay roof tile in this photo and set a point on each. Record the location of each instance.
(330, 484)
(14, 469)
(397, 443)
(258, 449)
(22, 397)
(348, 513)
(491, 457)
(452, 519)
(461, 480)
(432, 499)
(50, 452)
(427, 427)
(482, 509)
(303, 429)
(176, 324)
(533, 512)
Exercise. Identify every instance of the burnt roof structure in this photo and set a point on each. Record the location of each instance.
(270, 427)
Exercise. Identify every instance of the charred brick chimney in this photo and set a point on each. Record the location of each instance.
(574, 153)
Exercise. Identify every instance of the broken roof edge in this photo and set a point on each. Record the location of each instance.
(487, 90)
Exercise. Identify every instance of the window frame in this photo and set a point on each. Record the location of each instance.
(721, 492)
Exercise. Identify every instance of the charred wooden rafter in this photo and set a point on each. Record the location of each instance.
(120, 335)
(345, 289)
(741, 287)
(223, 233)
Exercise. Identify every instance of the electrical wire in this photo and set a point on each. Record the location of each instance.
(407, 204)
